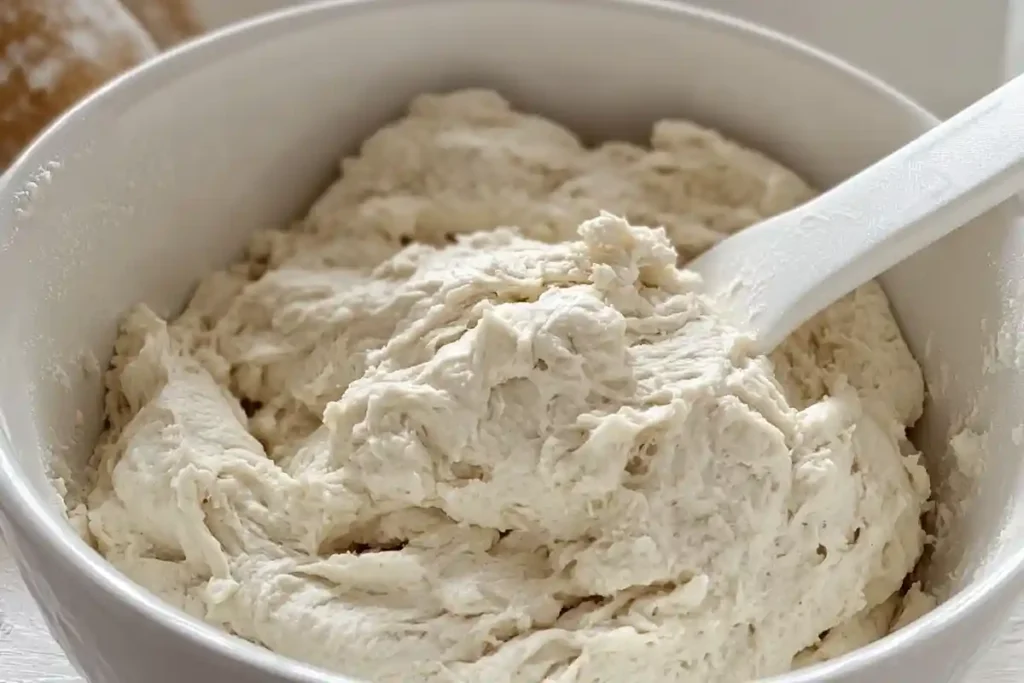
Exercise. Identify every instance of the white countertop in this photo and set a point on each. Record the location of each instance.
(29, 655)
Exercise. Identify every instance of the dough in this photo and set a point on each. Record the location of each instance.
(406, 443)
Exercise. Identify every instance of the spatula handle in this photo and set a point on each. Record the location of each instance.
(879, 217)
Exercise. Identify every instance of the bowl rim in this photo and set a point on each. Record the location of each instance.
(28, 512)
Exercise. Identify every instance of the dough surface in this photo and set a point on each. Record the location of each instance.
(459, 424)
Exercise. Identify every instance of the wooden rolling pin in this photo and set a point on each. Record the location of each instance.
(54, 52)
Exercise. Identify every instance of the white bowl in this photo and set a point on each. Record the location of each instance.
(159, 178)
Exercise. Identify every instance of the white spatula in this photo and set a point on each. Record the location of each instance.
(772, 277)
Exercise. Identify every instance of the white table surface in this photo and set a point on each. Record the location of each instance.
(29, 655)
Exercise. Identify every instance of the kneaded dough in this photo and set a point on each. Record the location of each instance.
(461, 424)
